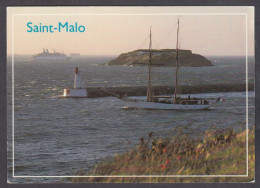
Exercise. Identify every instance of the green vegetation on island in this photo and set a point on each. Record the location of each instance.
(164, 57)
(220, 152)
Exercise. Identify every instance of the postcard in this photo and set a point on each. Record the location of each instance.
(138, 94)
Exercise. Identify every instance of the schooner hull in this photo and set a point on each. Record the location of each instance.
(163, 106)
(191, 104)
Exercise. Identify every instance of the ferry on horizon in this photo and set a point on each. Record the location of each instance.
(46, 56)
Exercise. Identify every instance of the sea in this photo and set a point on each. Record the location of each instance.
(51, 138)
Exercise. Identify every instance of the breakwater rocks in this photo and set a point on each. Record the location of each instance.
(94, 92)
(164, 57)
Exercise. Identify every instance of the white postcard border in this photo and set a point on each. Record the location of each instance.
(127, 176)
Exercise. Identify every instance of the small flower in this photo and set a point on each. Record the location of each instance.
(163, 166)
(164, 150)
(167, 162)
(197, 150)
(178, 157)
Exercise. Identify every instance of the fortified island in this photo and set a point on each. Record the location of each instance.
(163, 57)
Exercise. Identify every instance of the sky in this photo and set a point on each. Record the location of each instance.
(209, 31)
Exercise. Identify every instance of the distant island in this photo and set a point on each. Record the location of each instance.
(164, 57)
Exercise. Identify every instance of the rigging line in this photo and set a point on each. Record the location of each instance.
(155, 43)
(168, 34)
(142, 44)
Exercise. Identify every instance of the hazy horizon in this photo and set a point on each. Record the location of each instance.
(106, 55)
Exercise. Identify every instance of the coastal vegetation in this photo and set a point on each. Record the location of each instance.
(219, 152)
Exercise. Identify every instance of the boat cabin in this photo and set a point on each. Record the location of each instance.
(179, 100)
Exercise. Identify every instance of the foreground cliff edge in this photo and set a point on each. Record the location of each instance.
(220, 152)
(163, 57)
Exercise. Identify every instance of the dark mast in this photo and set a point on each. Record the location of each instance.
(149, 97)
(177, 65)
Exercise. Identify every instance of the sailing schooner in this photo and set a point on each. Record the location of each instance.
(165, 102)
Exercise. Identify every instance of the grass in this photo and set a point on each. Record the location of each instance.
(220, 152)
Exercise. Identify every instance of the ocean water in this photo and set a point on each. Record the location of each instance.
(54, 136)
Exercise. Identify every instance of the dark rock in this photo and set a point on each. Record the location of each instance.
(164, 57)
